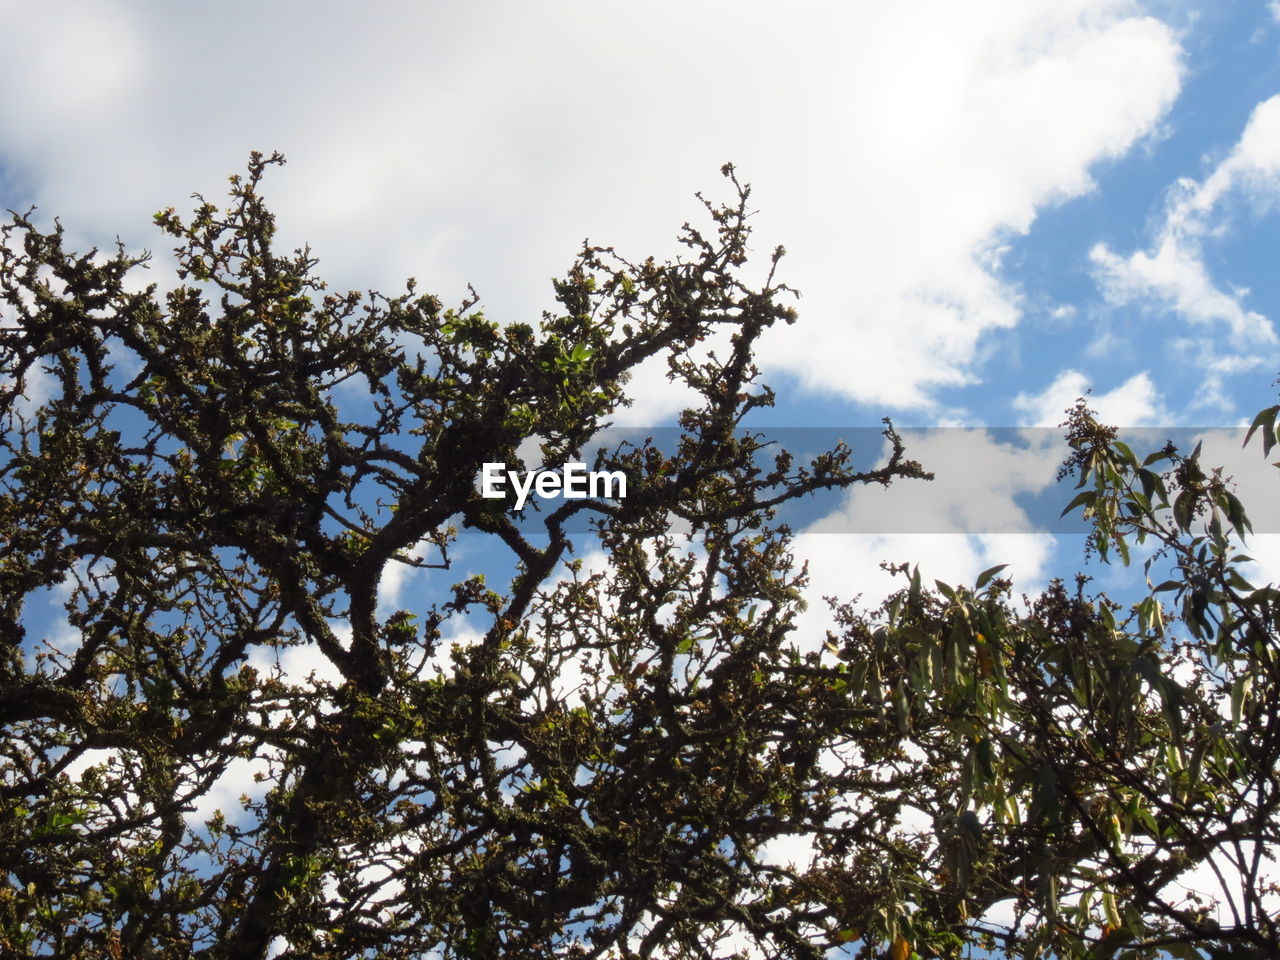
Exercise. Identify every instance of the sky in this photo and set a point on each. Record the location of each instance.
(990, 208)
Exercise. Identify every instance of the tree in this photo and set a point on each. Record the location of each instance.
(1087, 758)
(597, 774)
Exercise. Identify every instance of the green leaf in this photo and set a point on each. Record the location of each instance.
(1109, 909)
(1125, 453)
(1085, 499)
(1122, 545)
(986, 576)
(1045, 804)
(1235, 513)
(1184, 510)
(1139, 505)
(1239, 693)
(902, 711)
(1265, 418)
(1149, 618)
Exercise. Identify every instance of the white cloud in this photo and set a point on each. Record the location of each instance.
(38, 387)
(956, 526)
(1264, 549)
(93, 757)
(1006, 108)
(793, 851)
(461, 144)
(240, 778)
(1173, 275)
(1215, 366)
(1134, 403)
(397, 575)
(1256, 482)
(303, 664)
(847, 566)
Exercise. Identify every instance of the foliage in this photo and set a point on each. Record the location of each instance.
(599, 773)
(1080, 759)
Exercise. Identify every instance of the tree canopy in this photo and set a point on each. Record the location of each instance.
(213, 475)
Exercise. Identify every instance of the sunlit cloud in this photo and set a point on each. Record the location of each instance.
(1172, 275)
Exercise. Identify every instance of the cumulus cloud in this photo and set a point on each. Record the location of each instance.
(478, 144)
(965, 521)
(1134, 403)
(38, 388)
(1172, 275)
(1255, 481)
(1216, 366)
(303, 664)
(847, 566)
(398, 575)
(243, 776)
(1264, 549)
(1005, 110)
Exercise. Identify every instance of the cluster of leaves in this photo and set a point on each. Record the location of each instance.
(1106, 774)
(207, 479)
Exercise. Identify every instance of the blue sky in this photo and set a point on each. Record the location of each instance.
(989, 207)
(941, 173)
